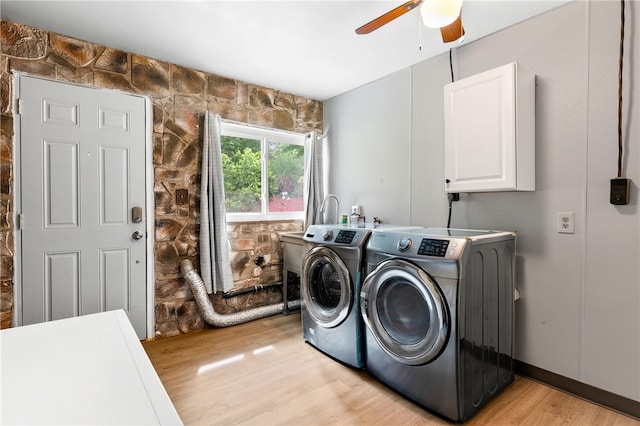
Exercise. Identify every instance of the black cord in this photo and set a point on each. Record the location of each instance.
(451, 197)
(620, 88)
(451, 65)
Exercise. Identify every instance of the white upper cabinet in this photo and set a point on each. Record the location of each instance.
(490, 131)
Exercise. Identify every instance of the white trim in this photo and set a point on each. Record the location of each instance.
(150, 218)
(17, 207)
(228, 128)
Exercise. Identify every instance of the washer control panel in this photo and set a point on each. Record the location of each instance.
(335, 235)
(345, 237)
(433, 247)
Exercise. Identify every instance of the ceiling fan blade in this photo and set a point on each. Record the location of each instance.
(453, 31)
(388, 17)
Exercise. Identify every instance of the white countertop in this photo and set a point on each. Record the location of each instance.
(84, 370)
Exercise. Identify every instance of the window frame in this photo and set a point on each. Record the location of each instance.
(265, 136)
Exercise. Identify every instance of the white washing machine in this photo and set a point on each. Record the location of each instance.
(333, 257)
(437, 306)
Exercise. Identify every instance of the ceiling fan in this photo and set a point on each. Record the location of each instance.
(443, 14)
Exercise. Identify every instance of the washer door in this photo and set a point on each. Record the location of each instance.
(326, 287)
(405, 311)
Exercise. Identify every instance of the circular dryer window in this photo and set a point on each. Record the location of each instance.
(326, 287)
(405, 311)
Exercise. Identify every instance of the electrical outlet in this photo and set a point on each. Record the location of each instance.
(620, 189)
(182, 196)
(566, 223)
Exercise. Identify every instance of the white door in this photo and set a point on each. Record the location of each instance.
(82, 180)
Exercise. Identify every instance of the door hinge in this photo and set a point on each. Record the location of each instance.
(20, 220)
(17, 107)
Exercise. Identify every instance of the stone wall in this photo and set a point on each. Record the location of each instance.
(180, 96)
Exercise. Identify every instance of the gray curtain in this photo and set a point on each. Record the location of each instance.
(215, 266)
(314, 187)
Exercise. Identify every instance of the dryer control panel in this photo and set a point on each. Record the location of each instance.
(414, 246)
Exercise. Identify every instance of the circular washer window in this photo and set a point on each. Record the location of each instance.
(326, 287)
(405, 311)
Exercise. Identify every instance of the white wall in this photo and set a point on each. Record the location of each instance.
(579, 315)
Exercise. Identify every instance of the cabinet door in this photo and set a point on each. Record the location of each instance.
(480, 133)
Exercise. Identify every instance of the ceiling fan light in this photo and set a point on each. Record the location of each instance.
(440, 13)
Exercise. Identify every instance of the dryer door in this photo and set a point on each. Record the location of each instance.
(405, 311)
(326, 287)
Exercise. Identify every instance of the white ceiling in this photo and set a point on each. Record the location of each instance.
(308, 48)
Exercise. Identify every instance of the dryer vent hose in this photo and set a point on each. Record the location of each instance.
(225, 320)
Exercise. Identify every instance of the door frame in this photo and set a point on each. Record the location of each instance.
(17, 196)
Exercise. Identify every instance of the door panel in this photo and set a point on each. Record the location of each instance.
(59, 112)
(61, 192)
(62, 284)
(82, 154)
(114, 278)
(114, 184)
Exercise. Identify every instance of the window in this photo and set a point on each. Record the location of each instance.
(263, 173)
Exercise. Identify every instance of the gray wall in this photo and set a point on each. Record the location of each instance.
(579, 312)
(368, 139)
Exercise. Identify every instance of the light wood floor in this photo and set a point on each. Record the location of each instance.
(263, 373)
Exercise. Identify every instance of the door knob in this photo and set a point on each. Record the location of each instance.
(137, 235)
